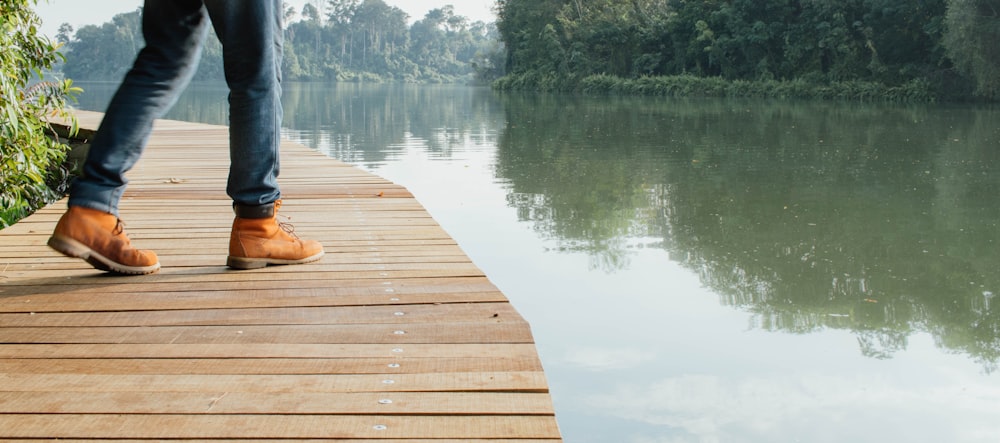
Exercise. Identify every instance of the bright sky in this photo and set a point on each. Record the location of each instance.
(87, 12)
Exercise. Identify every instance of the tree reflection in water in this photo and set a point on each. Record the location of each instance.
(879, 220)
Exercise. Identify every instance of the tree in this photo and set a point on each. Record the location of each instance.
(355, 41)
(384, 30)
(522, 25)
(562, 44)
(310, 13)
(973, 30)
(105, 52)
(339, 18)
(65, 34)
(488, 62)
(289, 14)
(341, 12)
(27, 153)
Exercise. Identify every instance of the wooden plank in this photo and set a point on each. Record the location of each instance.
(340, 315)
(247, 381)
(224, 402)
(268, 350)
(479, 332)
(10, 369)
(99, 284)
(402, 266)
(339, 440)
(344, 252)
(226, 279)
(177, 275)
(273, 426)
(201, 261)
(387, 228)
(376, 294)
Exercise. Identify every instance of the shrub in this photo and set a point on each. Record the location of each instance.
(687, 85)
(27, 152)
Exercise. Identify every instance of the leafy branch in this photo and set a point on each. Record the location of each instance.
(28, 152)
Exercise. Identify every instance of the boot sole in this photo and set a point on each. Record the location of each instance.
(72, 248)
(257, 263)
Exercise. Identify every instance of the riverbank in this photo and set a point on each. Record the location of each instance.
(915, 91)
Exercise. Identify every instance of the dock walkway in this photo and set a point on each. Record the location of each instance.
(395, 335)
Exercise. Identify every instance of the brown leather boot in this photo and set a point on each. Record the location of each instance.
(99, 238)
(258, 240)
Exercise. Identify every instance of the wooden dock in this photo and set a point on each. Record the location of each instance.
(394, 336)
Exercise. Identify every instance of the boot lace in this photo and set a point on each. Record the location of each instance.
(119, 231)
(284, 222)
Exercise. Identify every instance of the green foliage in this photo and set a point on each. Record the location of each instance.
(687, 85)
(488, 62)
(973, 30)
(104, 52)
(346, 40)
(841, 48)
(27, 153)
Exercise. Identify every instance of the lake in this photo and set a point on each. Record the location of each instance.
(701, 270)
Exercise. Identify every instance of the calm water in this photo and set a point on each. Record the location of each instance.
(708, 270)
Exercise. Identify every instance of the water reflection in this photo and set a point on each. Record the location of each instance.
(875, 220)
(202, 103)
(368, 125)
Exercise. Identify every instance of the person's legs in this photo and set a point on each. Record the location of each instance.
(90, 229)
(174, 31)
(251, 36)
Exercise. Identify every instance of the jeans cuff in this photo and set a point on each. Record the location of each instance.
(254, 211)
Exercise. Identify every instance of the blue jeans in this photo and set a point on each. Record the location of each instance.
(174, 30)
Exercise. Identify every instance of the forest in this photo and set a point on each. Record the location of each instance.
(896, 49)
(335, 40)
(900, 50)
